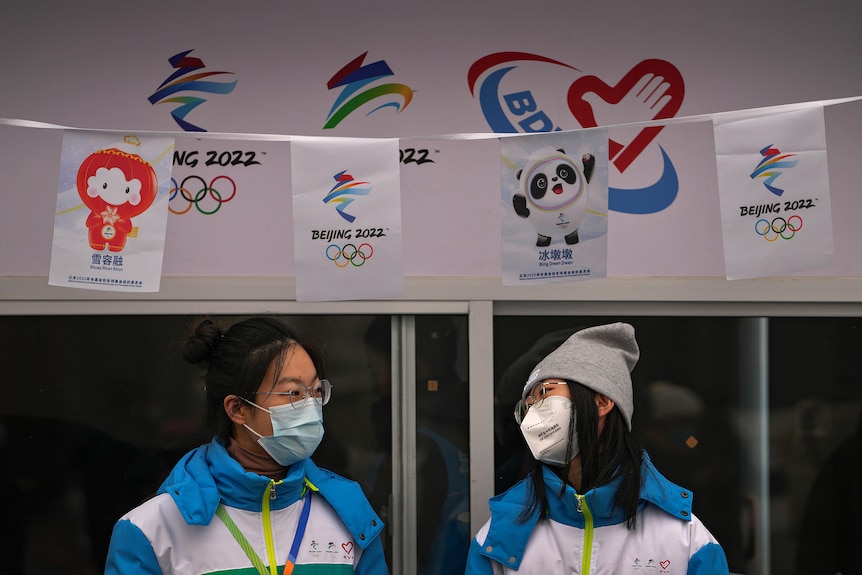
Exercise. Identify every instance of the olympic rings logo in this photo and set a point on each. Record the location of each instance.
(349, 254)
(778, 228)
(195, 199)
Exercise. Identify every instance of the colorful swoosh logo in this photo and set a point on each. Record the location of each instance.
(354, 77)
(771, 166)
(497, 108)
(343, 193)
(185, 80)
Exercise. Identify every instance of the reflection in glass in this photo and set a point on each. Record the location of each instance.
(442, 417)
(685, 401)
(85, 390)
(104, 406)
(815, 431)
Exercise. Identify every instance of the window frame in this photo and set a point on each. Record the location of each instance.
(482, 299)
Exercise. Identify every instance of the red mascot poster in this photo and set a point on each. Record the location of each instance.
(112, 207)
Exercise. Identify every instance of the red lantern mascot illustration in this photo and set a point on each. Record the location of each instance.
(116, 186)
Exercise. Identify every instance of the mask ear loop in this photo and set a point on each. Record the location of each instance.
(250, 402)
(252, 430)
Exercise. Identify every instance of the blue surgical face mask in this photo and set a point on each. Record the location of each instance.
(296, 431)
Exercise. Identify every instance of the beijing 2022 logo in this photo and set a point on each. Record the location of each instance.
(653, 89)
(358, 248)
(773, 165)
(187, 78)
(361, 85)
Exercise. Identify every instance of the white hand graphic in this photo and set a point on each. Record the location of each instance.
(641, 103)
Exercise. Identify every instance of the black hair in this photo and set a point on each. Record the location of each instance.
(615, 453)
(238, 360)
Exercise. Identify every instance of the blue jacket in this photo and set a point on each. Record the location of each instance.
(586, 533)
(175, 531)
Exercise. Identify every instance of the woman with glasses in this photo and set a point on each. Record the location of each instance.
(594, 502)
(251, 500)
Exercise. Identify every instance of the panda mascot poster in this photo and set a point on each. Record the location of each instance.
(554, 192)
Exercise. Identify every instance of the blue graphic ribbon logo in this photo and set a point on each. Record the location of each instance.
(176, 83)
(340, 194)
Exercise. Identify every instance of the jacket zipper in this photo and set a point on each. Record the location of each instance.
(268, 495)
(586, 556)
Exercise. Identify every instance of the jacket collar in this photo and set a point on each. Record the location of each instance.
(208, 475)
(507, 537)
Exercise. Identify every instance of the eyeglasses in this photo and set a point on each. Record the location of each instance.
(537, 395)
(299, 394)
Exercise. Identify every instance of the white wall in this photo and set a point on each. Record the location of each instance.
(93, 65)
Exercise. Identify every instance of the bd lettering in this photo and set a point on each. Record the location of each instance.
(523, 103)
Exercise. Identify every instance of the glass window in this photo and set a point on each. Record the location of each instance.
(96, 412)
(685, 402)
(815, 438)
(699, 420)
(441, 437)
(99, 408)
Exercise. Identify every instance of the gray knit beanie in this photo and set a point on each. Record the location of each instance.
(600, 358)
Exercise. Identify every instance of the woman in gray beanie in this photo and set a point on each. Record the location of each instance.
(594, 502)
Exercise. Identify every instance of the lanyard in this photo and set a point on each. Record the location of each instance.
(250, 553)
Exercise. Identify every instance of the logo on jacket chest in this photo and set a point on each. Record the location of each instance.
(332, 551)
(651, 565)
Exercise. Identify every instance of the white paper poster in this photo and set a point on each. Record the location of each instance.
(229, 213)
(112, 208)
(346, 218)
(774, 187)
(554, 192)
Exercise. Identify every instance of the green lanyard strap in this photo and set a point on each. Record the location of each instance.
(240, 538)
(222, 514)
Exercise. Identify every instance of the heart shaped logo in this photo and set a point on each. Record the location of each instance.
(664, 564)
(348, 547)
(654, 87)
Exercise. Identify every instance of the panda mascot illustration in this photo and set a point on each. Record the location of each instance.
(554, 196)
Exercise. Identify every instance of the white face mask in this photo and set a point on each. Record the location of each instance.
(296, 432)
(546, 429)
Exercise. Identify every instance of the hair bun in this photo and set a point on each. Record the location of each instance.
(201, 344)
